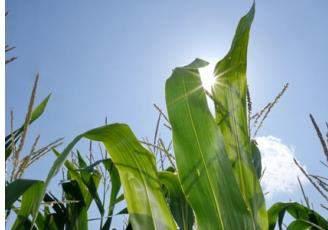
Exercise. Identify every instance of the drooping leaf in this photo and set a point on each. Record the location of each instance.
(36, 113)
(299, 225)
(297, 211)
(181, 210)
(229, 93)
(204, 170)
(138, 175)
(136, 166)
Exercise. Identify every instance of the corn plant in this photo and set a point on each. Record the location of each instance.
(212, 183)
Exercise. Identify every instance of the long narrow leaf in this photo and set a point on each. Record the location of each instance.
(115, 188)
(204, 169)
(138, 174)
(52, 172)
(136, 166)
(229, 92)
(36, 113)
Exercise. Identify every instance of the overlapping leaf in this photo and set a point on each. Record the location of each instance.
(115, 186)
(136, 166)
(16, 189)
(229, 93)
(29, 204)
(138, 175)
(91, 181)
(204, 169)
(77, 210)
(181, 210)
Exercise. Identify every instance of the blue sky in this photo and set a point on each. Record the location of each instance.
(111, 58)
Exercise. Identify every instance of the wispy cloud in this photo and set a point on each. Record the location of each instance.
(281, 173)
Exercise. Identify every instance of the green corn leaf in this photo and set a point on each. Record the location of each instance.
(299, 225)
(229, 93)
(91, 180)
(52, 172)
(29, 205)
(40, 224)
(181, 210)
(115, 188)
(115, 185)
(87, 178)
(16, 189)
(44, 222)
(297, 211)
(138, 175)
(36, 113)
(136, 166)
(204, 170)
(76, 211)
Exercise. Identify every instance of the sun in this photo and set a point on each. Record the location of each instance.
(207, 77)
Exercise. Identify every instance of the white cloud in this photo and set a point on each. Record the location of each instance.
(281, 173)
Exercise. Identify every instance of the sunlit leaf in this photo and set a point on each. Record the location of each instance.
(229, 93)
(138, 175)
(136, 166)
(204, 169)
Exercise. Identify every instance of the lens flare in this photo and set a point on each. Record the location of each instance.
(207, 77)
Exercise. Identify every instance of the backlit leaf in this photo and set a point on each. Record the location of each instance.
(204, 170)
(229, 93)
